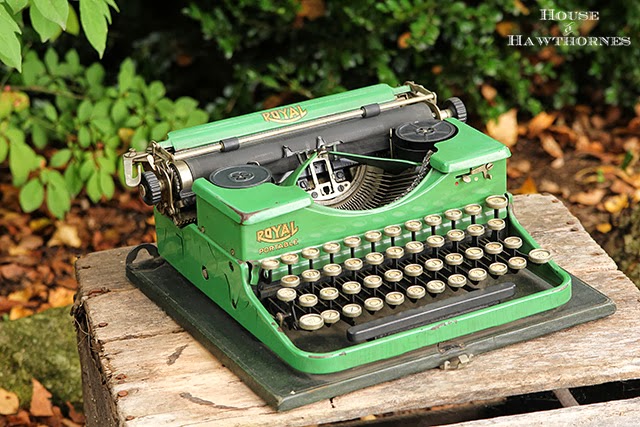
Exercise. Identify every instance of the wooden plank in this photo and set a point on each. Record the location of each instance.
(159, 376)
(617, 413)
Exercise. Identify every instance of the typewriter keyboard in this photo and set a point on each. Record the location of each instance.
(418, 277)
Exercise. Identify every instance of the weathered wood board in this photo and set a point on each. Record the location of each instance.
(141, 369)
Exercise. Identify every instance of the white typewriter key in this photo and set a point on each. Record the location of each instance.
(351, 310)
(307, 300)
(493, 248)
(373, 236)
(393, 276)
(353, 264)
(453, 214)
(477, 274)
(394, 298)
(351, 241)
(289, 259)
(453, 259)
(497, 202)
(394, 252)
(433, 220)
(328, 294)
(517, 263)
(433, 264)
(539, 256)
(415, 292)
(392, 231)
(311, 322)
(435, 241)
(372, 282)
(413, 270)
(351, 288)
(413, 225)
(332, 270)
(289, 281)
(455, 235)
(473, 209)
(414, 247)
(512, 242)
(310, 276)
(498, 268)
(457, 280)
(374, 258)
(286, 294)
(330, 316)
(373, 304)
(474, 253)
(436, 286)
(496, 224)
(310, 253)
(269, 264)
(331, 247)
(475, 230)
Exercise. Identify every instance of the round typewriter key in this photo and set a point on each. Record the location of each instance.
(331, 248)
(351, 288)
(311, 322)
(374, 258)
(512, 242)
(497, 202)
(307, 300)
(477, 274)
(475, 230)
(310, 254)
(517, 263)
(330, 316)
(269, 264)
(413, 270)
(392, 231)
(498, 268)
(474, 253)
(457, 281)
(373, 304)
(493, 248)
(539, 256)
(413, 225)
(433, 264)
(415, 292)
(394, 299)
(394, 253)
(310, 276)
(455, 235)
(496, 224)
(473, 210)
(352, 242)
(414, 247)
(351, 310)
(353, 264)
(453, 214)
(289, 259)
(289, 281)
(433, 221)
(372, 282)
(435, 241)
(453, 259)
(393, 276)
(286, 294)
(332, 270)
(436, 286)
(328, 294)
(373, 237)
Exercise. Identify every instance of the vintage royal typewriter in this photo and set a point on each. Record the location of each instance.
(348, 231)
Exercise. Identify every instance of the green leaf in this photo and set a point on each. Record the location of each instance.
(58, 199)
(140, 138)
(84, 137)
(198, 117)
(22, 160)
(88, 167)
(9, 43)
(159, 131)
(95, 74)
(39, 136)
(44, 27)
(94, 15)
(51, 60)
(4, 148)
(72, 178)
(17, 5)
(50, 111)
(155, 91)
(184, 106)
(104, 125)
(73, 59)
(101, 109)
(60, 158)
(107, 185)
(126, 74)
(133, 122)
(73, 25)
(119, 112)
(94, 191)
(31, 195)
(84, 110)
(32, 68)
(54, 10)
(106, 165)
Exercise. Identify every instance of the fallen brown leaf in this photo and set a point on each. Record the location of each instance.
(590, 198)
(9, 402)
(60, 297)
(488, 92)
(39, 223)
(547, 186)
(539, 123)
(637, 109)
(12, 271)
(403, 40)
(521, 7)
(65, 235)
(604, 227)
(18, 312)
(75, 416)
(505, 128)
(506, 28)
(615, 204)
(621, 187)
(551, 146)
(31, 242)
(527, 187)
(40, 401)
(22, 295)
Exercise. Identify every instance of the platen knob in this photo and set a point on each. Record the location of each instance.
(150, 189)
(457, 108)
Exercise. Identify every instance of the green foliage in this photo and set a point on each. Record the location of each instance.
(49, 18)
(298, 49)
(63, 128)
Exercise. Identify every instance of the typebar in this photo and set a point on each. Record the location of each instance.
(439, 310)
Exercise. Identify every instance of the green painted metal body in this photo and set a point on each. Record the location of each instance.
(237, 227)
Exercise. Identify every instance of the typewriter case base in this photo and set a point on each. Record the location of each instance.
(283, 387)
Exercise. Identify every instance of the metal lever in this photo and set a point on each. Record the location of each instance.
(484, 169)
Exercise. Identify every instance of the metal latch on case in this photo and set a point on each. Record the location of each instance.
(457, 362)
(484, 169)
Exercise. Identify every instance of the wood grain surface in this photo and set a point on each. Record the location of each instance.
(156, 375)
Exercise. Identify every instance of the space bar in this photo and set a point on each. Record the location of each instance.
(430, 313)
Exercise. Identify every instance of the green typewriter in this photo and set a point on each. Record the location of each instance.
(350, 229)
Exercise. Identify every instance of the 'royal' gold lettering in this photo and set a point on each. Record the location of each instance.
(285, 115)
(277, 233)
